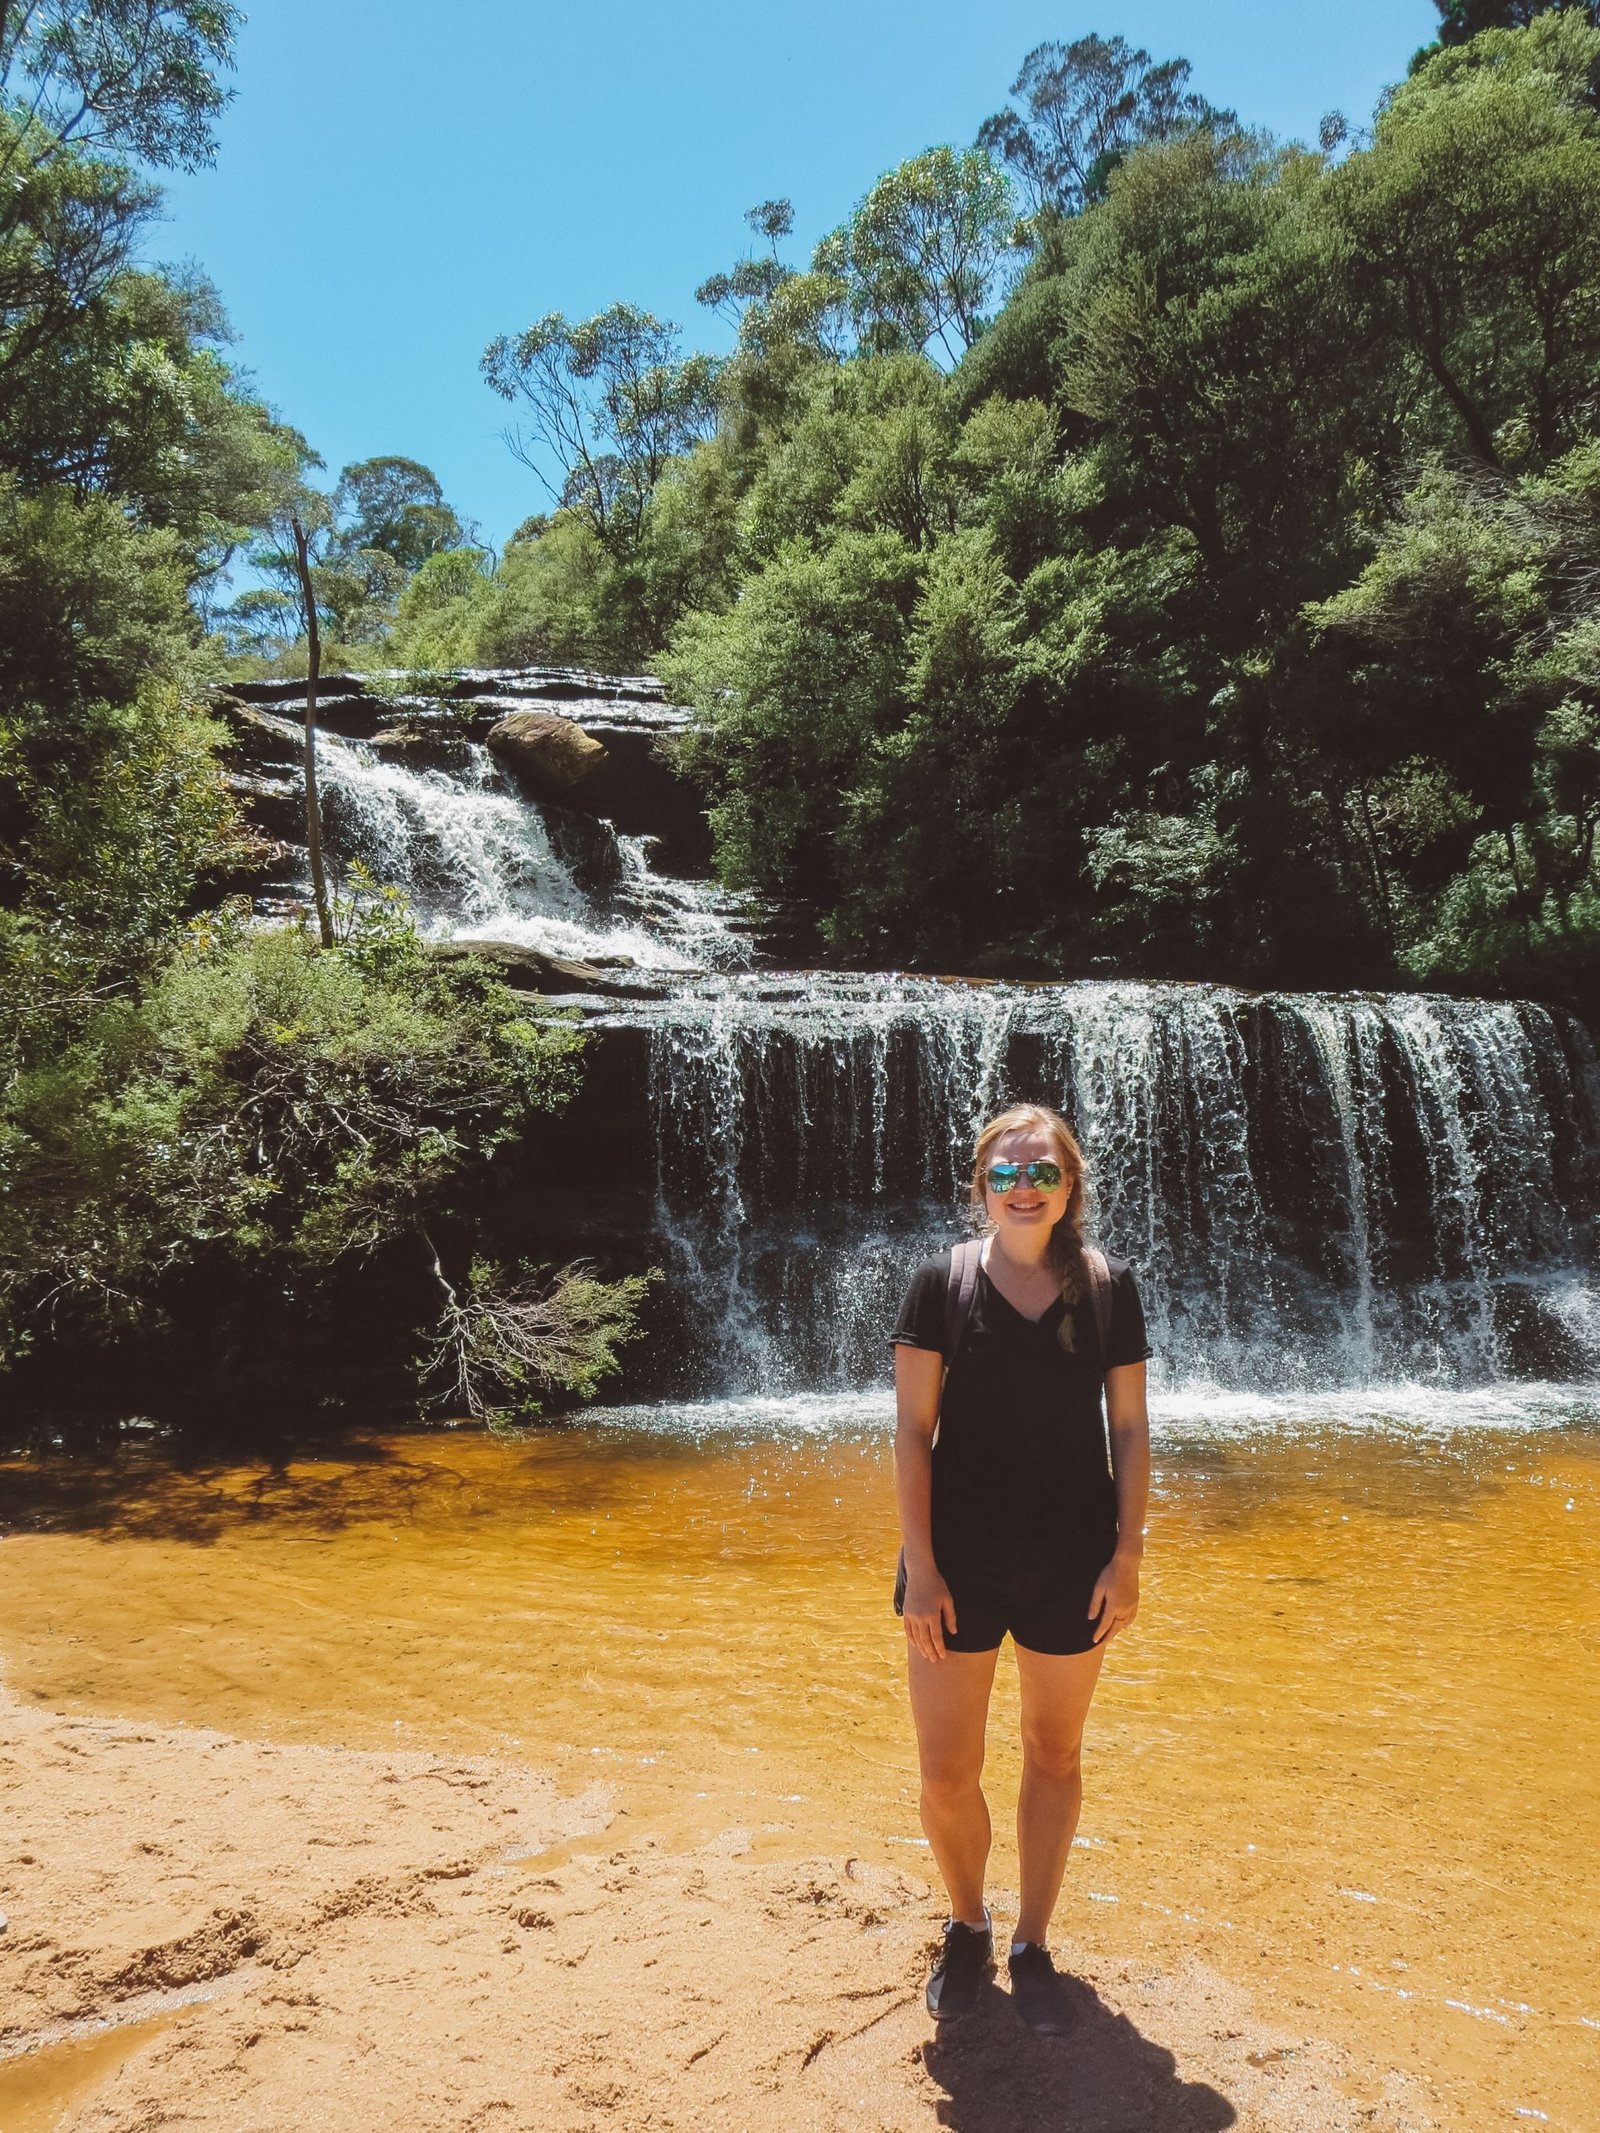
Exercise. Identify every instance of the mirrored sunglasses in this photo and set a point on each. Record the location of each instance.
(1043, 1176)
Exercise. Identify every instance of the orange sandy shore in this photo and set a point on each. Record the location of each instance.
(223, 1934)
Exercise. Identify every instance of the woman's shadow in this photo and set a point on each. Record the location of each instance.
(1103, 2076)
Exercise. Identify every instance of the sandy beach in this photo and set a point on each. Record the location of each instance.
(224, 1934)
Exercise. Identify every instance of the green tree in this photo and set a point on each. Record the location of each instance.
(1203, 324)
(795, 683)
(133, 77)
(1461, 20)
(439, 615)
(394, 507)
(610, 401)
(110, 799)
(1477, 213)
(922, 255)
(271, 1148)
(112, 380)
(1467, 700)
(1083, 107)
(356, 588)
(752, 279)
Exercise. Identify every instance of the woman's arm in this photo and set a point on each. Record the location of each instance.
(918, 1381)
(1116, 1593)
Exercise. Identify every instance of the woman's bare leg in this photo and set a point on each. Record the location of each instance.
(950, 1704)
(1056, 1693)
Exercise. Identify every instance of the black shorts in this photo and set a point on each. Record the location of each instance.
(1045, 1608)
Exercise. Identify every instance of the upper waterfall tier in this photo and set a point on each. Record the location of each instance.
(613, 873)
(1314, 1190)
(477, 860)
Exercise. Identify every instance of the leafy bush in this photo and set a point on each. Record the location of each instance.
(268, 1142)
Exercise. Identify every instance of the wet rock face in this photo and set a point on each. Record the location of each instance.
(546, 753)
(275, 807)
(264, 740)
(587, 847)
(423, 746)
(629, 777)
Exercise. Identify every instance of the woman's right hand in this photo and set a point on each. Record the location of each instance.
(929, 1613)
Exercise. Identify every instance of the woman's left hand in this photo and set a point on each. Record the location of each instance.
(1115, 1599)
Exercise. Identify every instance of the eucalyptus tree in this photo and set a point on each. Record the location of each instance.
(1461, 20)
(395, 507)
(754, 278)
(1203, 338)
(922, 256)
(81, 89)
(611, 401)
(69, 227)
(1077, 111)
(384, 519)
(111, 376)
(121, 77)
(1465, 683)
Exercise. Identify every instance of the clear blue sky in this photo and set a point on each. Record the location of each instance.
(400, 180)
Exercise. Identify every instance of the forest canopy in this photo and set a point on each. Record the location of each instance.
(1129, 544)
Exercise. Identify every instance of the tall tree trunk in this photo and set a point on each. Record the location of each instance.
(1380, 873)
(319, 879)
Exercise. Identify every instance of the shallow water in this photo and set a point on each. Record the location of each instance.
(38, 2090)
(1346, 1756)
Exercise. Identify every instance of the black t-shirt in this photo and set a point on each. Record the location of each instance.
(1021, 1465)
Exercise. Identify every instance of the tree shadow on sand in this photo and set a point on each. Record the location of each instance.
(1104, 2076)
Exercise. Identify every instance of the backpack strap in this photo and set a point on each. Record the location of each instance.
(965, 1260)
(1094, 1264)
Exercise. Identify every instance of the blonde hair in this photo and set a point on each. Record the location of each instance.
(1064, 1253)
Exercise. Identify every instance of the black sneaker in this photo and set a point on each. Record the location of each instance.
(1038, 1993)
(964, 1966)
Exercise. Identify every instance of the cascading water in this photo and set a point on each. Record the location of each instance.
(1318, 1193)
(475, 859)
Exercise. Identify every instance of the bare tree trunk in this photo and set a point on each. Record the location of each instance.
(1379, 871)
(319, 879)
(1522, 899)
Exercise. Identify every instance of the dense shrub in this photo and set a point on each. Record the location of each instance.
(258, 1184)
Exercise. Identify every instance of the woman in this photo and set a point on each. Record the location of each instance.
(1013, 1520)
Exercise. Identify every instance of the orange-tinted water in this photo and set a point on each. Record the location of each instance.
(38, 2090)
(1348, 1755)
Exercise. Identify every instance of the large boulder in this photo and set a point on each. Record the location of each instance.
(548, 755)
(528, 969)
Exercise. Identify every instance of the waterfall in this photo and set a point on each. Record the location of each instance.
(1316, 1192)
(474, 858)
(1326, 1197)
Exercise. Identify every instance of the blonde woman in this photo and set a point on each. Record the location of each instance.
(1022, 1467)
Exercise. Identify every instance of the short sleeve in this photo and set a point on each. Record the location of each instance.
(921, 1320)
(1128, 1341)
